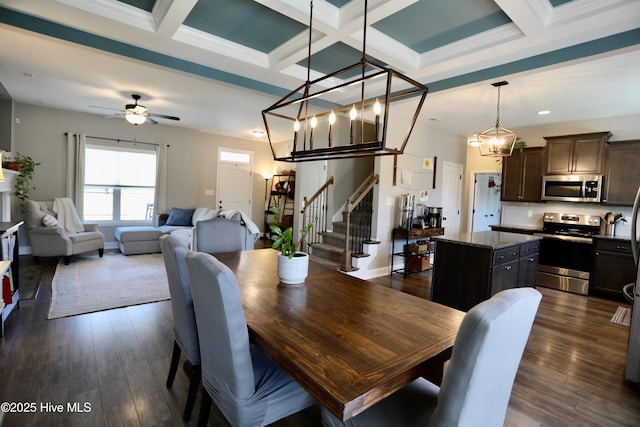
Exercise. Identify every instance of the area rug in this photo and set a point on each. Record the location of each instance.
(622, 316)
(91, 283)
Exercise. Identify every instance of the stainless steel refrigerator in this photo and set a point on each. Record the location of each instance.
(632, 292)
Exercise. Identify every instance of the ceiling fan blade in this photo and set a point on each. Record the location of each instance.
(162, 116)
(106, 108)
(150, 120)
(114, 116)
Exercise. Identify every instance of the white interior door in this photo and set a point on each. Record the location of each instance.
(451, 197)
(486, 201)
(235, 186)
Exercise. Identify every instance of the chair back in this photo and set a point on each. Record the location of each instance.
(218, 235)
(185, 331)
(487, 351)
(224, 338)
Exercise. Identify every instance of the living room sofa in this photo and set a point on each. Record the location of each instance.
(181, 223)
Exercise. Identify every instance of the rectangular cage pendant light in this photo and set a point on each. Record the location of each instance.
(348, 113)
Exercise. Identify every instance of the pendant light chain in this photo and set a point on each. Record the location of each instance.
(309, 48)
(498, 110)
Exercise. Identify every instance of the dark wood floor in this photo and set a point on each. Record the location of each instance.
(572, 372)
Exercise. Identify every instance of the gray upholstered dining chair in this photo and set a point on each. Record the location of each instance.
(218, 235)
(185, 334)
(247, 387)
(477, 383)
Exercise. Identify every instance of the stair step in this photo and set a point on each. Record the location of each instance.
(323, 250)
(325, 262)
(328, 248)
(333, 238)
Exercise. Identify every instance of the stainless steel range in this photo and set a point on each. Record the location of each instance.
(566, 251)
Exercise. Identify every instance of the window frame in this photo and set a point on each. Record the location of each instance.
(119, 146)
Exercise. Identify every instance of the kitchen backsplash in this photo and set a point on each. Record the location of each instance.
(530, 214)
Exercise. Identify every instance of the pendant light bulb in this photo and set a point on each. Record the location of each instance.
(332, 118)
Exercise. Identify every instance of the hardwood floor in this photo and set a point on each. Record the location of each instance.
(572, 372)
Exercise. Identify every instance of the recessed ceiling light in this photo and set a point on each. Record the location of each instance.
(257, 133)
(544, 112)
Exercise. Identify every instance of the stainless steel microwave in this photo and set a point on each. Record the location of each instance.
(572, 188)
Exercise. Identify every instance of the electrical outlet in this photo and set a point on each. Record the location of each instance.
(209, 193)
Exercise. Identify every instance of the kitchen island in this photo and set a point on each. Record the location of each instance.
(471, 267)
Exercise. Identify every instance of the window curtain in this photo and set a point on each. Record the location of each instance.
(76, 143)
(159, 203)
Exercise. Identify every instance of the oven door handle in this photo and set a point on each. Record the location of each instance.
(565, 238)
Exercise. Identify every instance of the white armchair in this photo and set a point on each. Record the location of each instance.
(49, 238)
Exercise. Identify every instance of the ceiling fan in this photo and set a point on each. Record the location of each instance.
(138, 114)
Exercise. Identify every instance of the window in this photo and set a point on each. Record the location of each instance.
(119, 183)
(235, 156)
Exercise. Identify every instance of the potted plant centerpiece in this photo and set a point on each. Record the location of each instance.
(293, 264)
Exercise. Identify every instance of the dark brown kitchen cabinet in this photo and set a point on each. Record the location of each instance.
(528, 264)
(468, 271)
(576, 154)
(612, 267)
(622, 178)
(522, 176)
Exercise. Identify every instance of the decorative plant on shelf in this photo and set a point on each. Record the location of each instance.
(284, 238)
(22, 186)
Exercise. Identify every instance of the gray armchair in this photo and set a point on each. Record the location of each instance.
(248, 388)
(53, 240)
(477, 383)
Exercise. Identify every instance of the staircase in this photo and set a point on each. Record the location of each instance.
(349, 237)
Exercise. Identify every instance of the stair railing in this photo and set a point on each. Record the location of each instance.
(358, 215)
(314, 210)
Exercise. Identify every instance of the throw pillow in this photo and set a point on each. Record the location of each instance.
(180, 217)
(50, 221)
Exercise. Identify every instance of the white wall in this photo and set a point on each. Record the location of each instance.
(427, 140)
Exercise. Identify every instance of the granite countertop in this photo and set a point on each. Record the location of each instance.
(526, 229)
(488, 239)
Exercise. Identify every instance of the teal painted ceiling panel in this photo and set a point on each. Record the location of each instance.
(556, 3)
(146, 5)
(429, 24)
(338, 3)
(333, 58)
(244, 22)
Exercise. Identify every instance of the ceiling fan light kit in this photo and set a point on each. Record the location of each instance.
(497, 141)
(345, 114)
(134, 118)
(137, 114)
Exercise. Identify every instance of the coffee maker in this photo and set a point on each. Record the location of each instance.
(434, 217)
(406, 211)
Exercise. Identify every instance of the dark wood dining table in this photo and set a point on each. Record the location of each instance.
(348, 342)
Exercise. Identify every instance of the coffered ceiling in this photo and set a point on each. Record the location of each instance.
(218, 63)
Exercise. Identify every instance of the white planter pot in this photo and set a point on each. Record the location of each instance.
(293, 271)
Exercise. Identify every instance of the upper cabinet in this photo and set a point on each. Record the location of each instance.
(623, 175)
(522, 176)
(576, 154)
